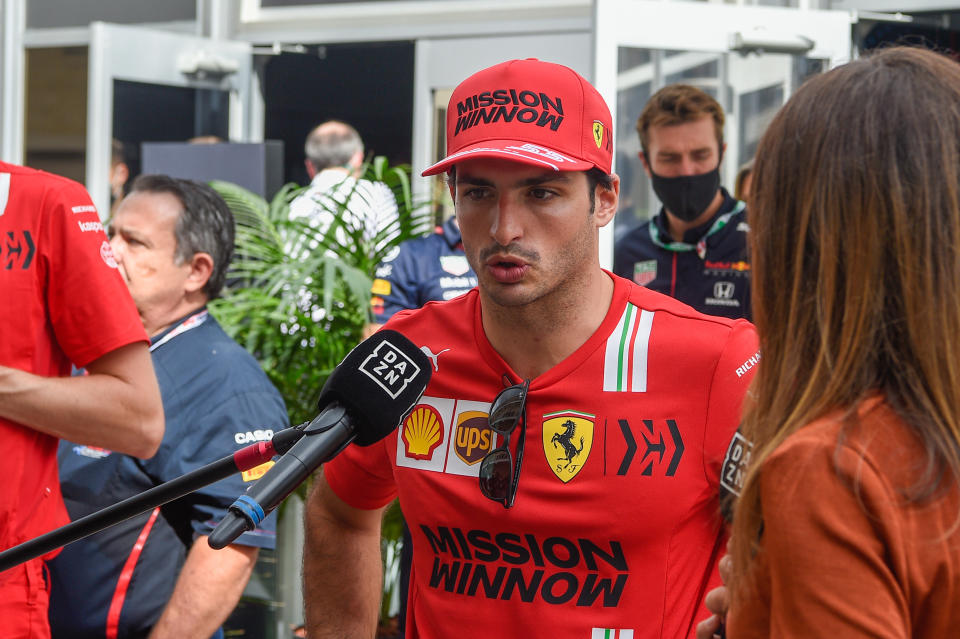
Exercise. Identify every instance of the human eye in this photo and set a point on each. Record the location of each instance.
(541, 193)
(476, 193)
(130, 240)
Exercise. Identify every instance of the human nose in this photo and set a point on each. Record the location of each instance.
(506, 225)
(117, 245)
(688, 166)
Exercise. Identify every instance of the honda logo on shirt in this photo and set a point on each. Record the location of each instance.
(723, 290)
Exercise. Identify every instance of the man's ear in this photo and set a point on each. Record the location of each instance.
(355, 164)
(311, 170)
(201, 268)
(606, 202)
(646, 164)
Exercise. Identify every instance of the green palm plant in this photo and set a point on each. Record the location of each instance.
(298, 297)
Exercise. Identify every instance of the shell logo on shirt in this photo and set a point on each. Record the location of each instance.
(567, 441)
(423, 432)
(456, 439)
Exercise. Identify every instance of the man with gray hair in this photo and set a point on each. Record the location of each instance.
(334, 162)
(155, 574)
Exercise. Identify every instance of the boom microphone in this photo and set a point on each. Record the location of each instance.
(366, 397)
(244, 459)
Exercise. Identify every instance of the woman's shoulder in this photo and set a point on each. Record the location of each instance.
(869, 440)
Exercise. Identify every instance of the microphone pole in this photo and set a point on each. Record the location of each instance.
(244, 459)
(324, 437)
(365, 399)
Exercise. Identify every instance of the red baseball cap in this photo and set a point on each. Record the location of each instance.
(532, 112)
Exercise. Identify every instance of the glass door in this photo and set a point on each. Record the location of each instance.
(147, 85)
(749, 58)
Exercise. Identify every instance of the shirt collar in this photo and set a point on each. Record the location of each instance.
(159, 336)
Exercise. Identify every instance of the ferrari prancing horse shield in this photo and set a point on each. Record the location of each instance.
(567, 440)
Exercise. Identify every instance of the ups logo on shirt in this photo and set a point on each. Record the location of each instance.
(474, 438)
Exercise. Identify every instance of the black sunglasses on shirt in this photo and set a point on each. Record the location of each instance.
(498, 474)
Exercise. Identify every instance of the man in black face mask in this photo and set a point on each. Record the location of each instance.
(694, 249)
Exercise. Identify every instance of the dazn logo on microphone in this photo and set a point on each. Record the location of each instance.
(390, 368)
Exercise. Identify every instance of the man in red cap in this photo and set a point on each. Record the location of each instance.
(560, 474)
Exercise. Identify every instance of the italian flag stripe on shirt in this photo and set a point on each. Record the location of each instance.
(625, 359)
(611, 633)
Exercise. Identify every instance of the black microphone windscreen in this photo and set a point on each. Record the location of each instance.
(378, 382)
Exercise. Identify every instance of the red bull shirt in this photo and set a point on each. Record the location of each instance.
(708, 269)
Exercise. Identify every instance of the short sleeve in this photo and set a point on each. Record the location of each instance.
(228, 426)
(363, 476)
(90, 307)
(731, 379)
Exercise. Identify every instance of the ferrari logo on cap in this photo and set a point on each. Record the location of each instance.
(598, 133)
(567, 440)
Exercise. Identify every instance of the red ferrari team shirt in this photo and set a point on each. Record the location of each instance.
(616, 530)
(63, 302)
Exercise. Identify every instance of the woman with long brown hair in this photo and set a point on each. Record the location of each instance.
(848, 521)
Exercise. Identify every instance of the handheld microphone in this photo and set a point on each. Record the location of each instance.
(366, 397)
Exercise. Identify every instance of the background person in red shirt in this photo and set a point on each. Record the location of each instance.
(63, 304)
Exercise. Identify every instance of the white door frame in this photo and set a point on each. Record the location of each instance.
(140, 54)
(706, 27)
(13, 13)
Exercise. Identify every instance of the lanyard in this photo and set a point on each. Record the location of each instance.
(701, 246)
(190, 323)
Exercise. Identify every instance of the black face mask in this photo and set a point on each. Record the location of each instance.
(687, 196)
